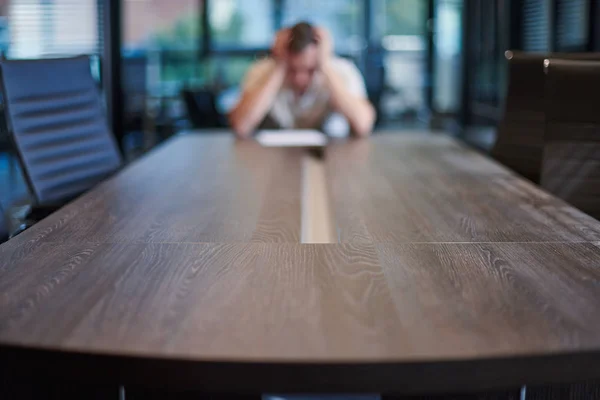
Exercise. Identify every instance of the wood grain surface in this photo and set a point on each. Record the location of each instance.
(405, 189)
(186, 271)
(292, 302)
(195, 189)
(393, 305)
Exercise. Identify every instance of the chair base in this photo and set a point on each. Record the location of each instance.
(34, 215)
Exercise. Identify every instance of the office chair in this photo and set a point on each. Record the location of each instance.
(375, 78)
(571, 161)
(520, 140)
(201, 106)
(135, 93)
(56, 121)
(6, 145)
(519, 143)
(3, 227)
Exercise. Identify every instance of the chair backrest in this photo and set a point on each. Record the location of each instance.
(571, 162)
(202, 108)
(134, 83)
(56, 120)
(3, 226)
(519, 143)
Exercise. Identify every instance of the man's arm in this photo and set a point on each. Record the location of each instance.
(256, 102)
(356, 109)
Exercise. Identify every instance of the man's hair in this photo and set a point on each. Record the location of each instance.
(302, 35)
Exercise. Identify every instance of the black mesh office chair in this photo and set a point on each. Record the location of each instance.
(56, 120)
(3, 227)
(135, 93)
(201, 106)
(571, 163)
(6, 146)
(375, 78)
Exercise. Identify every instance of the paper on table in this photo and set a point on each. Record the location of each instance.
(291, 138)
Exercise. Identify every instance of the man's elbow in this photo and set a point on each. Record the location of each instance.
(364, 126)
(362, 131)
(241, 130)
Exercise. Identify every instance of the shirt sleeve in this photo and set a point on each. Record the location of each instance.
(335, 124)
(354, 79)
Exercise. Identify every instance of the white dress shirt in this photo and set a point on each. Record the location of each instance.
(312, 110)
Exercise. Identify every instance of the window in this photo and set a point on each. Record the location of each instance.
(399, 31)
(241, 23)
(571, 25)
(167, 35)
(225, 73)
(536, 25)
(41, 28)
(162, 42)
(399, 17)
(447, 53)
(343, 18)
(161, 25)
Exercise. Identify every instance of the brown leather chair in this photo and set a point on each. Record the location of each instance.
(571, 391)
(571, 159)
(519, 143)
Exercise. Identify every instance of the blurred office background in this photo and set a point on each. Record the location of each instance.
(165, 66)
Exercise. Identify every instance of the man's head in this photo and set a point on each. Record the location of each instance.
(303, 56)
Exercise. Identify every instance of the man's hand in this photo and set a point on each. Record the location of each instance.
(280, 45)
(325, 45)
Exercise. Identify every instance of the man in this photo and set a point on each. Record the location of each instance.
(303, 86)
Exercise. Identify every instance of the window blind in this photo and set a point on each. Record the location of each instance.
(571, 25)
(536, 25)
(47, 28)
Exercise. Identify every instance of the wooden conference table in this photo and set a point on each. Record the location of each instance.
(446, 273)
